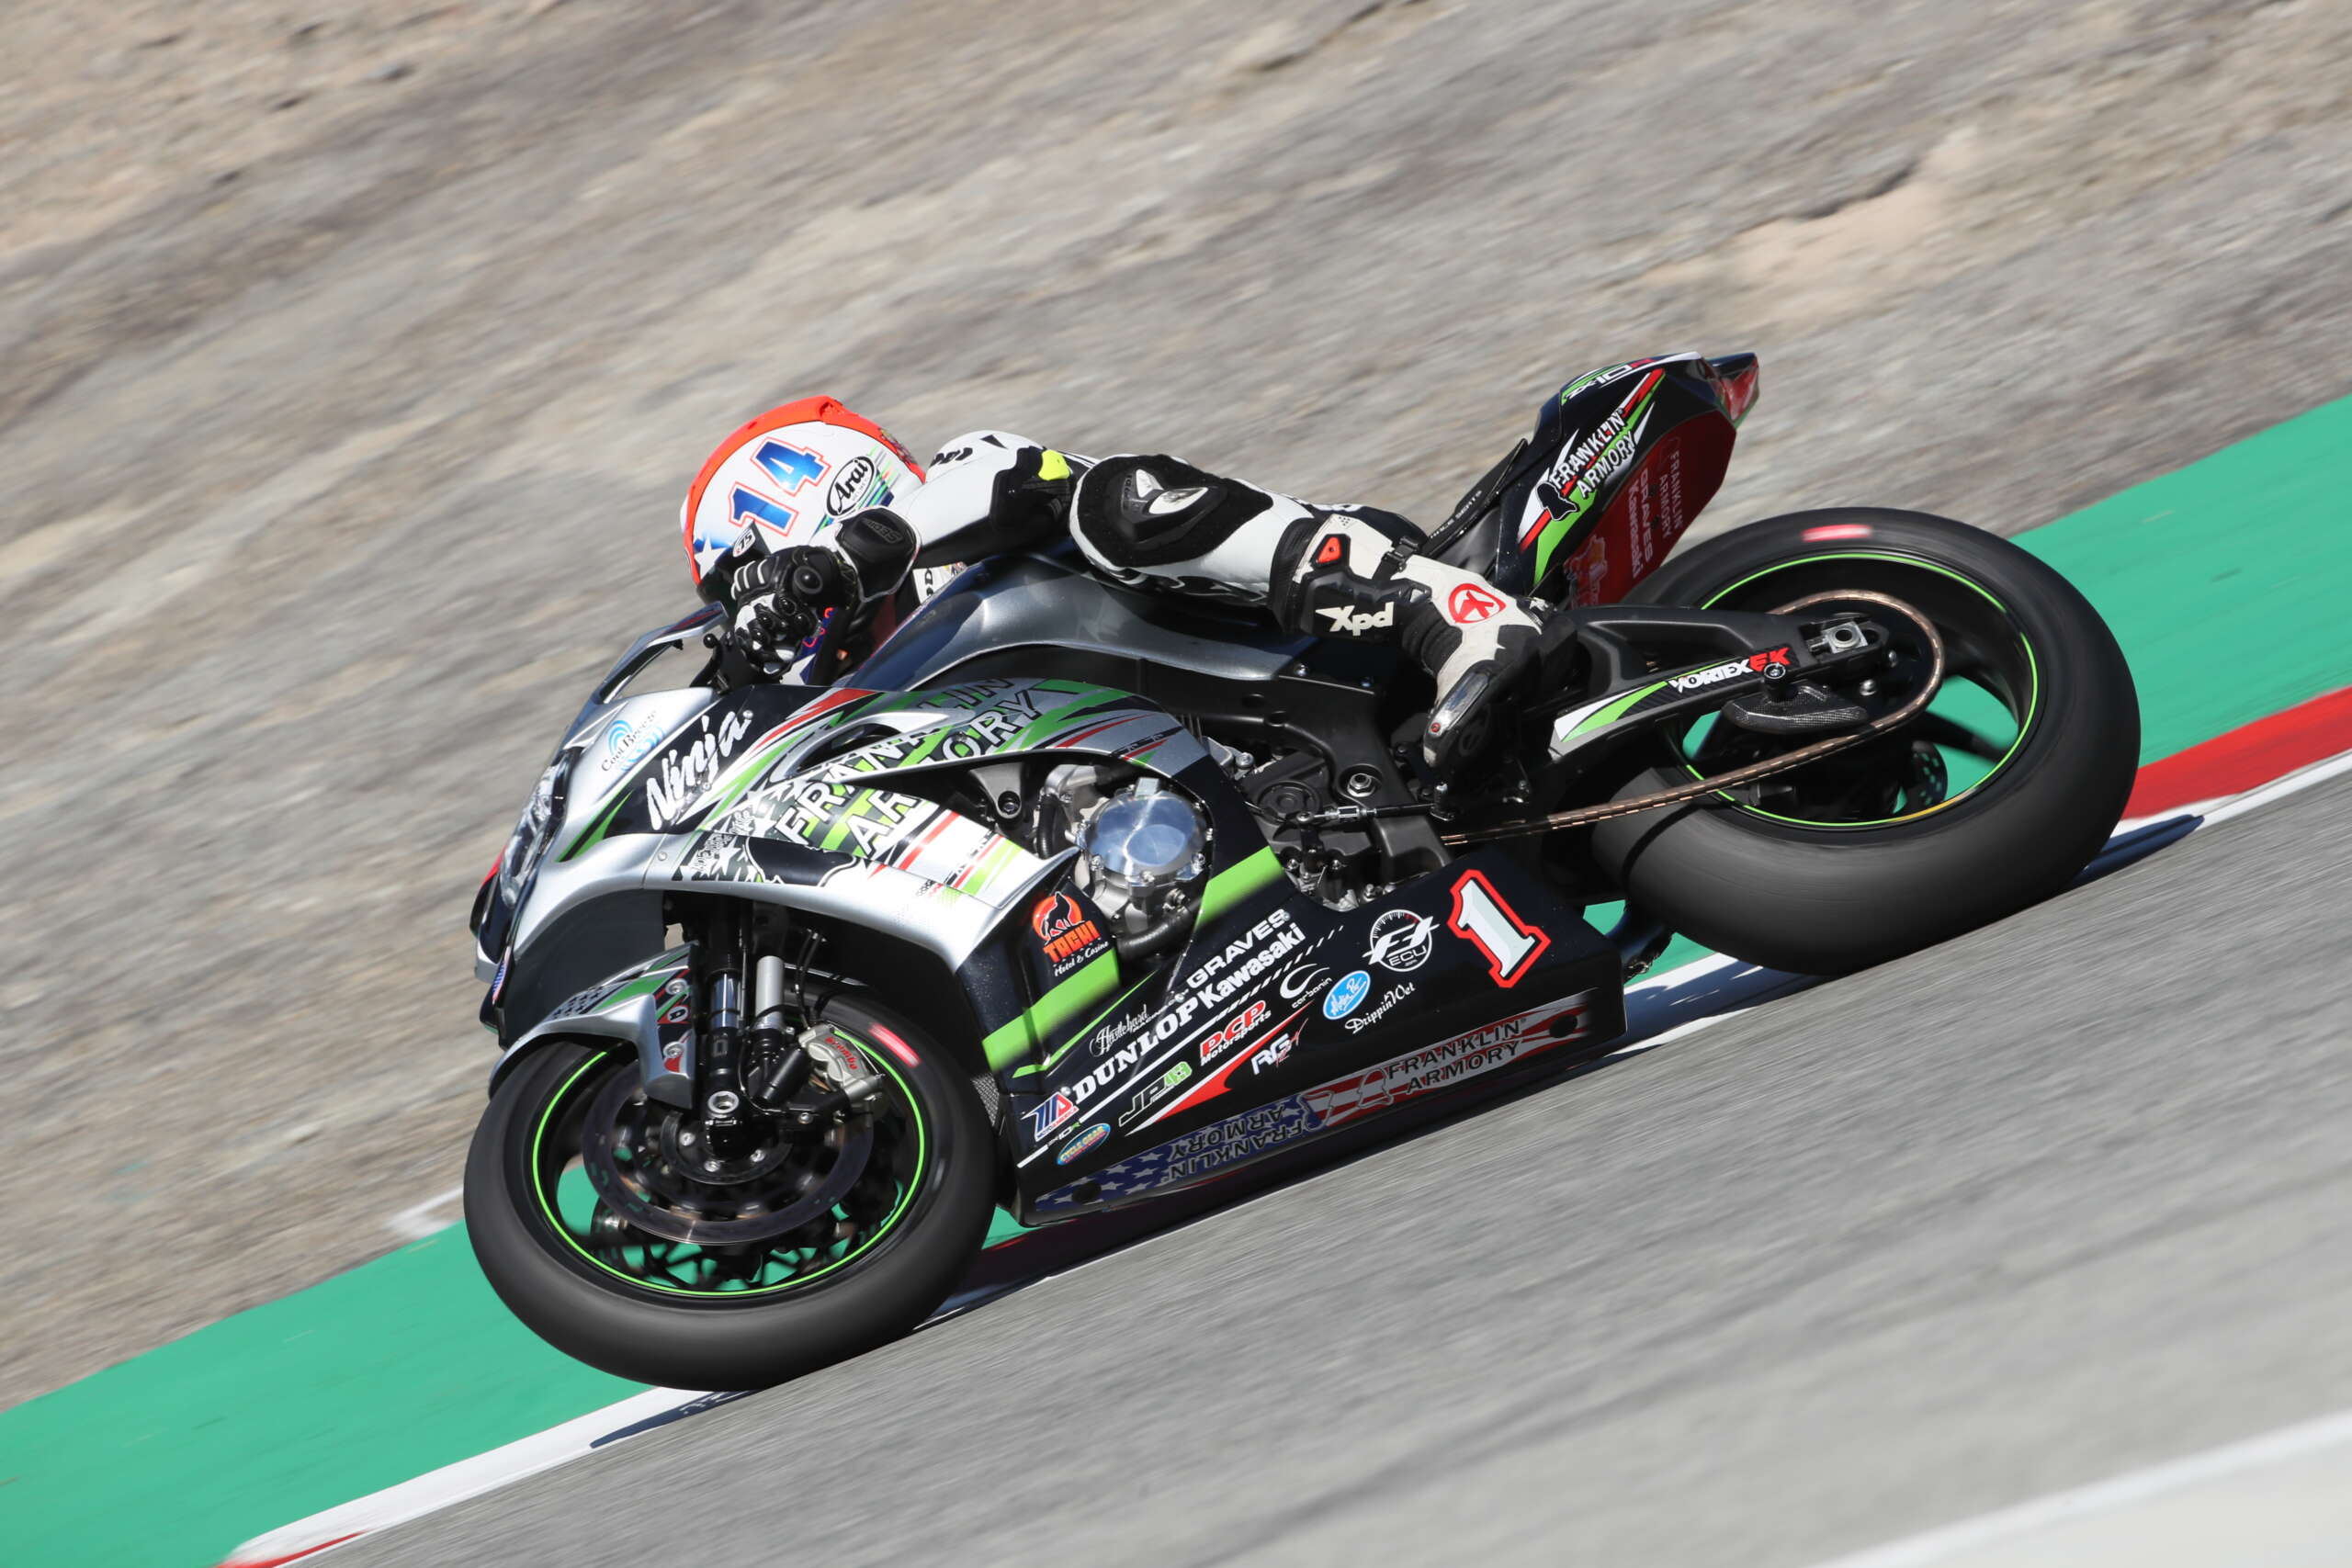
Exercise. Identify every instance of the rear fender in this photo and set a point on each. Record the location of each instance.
(648, 1007)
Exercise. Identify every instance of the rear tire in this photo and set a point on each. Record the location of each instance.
(1828, 898)
(736, 1340)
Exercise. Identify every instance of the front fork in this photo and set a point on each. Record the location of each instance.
(745, 1078)
(720, 956)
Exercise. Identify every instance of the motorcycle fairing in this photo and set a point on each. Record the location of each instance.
(1284, 1019)
(649, 1005)
(807, 814)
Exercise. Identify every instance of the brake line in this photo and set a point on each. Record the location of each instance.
(1769, 766)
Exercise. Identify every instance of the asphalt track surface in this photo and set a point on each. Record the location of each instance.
(2058, 1199)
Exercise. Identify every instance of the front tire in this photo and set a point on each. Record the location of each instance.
(1831, 895)
(662, 1312)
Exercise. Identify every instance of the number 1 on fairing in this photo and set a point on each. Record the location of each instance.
(1480, 916)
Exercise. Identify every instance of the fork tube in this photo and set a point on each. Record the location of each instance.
(780, 1067)
(722, 1079)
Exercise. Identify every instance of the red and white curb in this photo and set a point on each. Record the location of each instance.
(2225, 777)
(2238, 771)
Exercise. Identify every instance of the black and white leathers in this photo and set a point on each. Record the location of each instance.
(1329, 571)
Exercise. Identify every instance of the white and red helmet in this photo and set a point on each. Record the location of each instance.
(793, 473)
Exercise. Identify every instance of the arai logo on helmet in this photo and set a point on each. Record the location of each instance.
(849, 485)
(1348, 994)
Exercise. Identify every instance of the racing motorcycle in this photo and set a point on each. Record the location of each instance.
(1066, 895)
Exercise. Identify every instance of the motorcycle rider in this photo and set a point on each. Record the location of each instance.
(1147, 520)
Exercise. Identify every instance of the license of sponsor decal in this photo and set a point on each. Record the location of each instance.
(1082, 1140)
(1401, 939)
(1348, 994)
(1719, 673)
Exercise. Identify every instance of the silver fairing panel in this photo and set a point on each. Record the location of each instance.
(645, 1006)
(801, 813)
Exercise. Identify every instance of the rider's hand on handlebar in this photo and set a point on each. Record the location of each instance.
(768, 626)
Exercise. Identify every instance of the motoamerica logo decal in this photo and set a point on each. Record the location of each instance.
(1056, 1110)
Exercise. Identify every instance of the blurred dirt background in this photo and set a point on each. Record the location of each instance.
(353, 359)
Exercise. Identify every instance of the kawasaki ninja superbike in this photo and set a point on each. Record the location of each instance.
(1065, 895)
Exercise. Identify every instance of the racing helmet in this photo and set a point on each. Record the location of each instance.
(792, 475)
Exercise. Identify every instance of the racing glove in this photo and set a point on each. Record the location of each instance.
(778, 599)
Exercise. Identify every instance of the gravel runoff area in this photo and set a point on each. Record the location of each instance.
(352, 361)
(2058, 1199)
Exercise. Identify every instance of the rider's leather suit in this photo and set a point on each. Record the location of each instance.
(1328, 570)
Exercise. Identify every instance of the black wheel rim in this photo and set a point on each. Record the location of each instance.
(1973, 733)
(611, 1184)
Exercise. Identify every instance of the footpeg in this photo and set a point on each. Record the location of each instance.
(1804, 709)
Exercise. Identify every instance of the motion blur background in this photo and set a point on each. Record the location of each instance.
(353, 357)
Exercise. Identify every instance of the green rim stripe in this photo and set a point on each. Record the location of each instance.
(889, 1223)
(2025, 726)
(1970, 583)
(1016, 1040)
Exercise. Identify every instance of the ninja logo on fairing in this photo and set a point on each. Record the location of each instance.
(685, 771)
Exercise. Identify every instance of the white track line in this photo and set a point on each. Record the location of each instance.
(467, 1478)
(2280, 788)
(544, 1451)
(2119, 1492)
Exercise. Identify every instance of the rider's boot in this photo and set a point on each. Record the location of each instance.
(1339, 576)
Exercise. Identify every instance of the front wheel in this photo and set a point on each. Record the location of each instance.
(619, 1233)
(1993, 799)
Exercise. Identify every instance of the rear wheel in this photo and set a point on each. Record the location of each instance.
(1995, 797)
(610, 1225)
